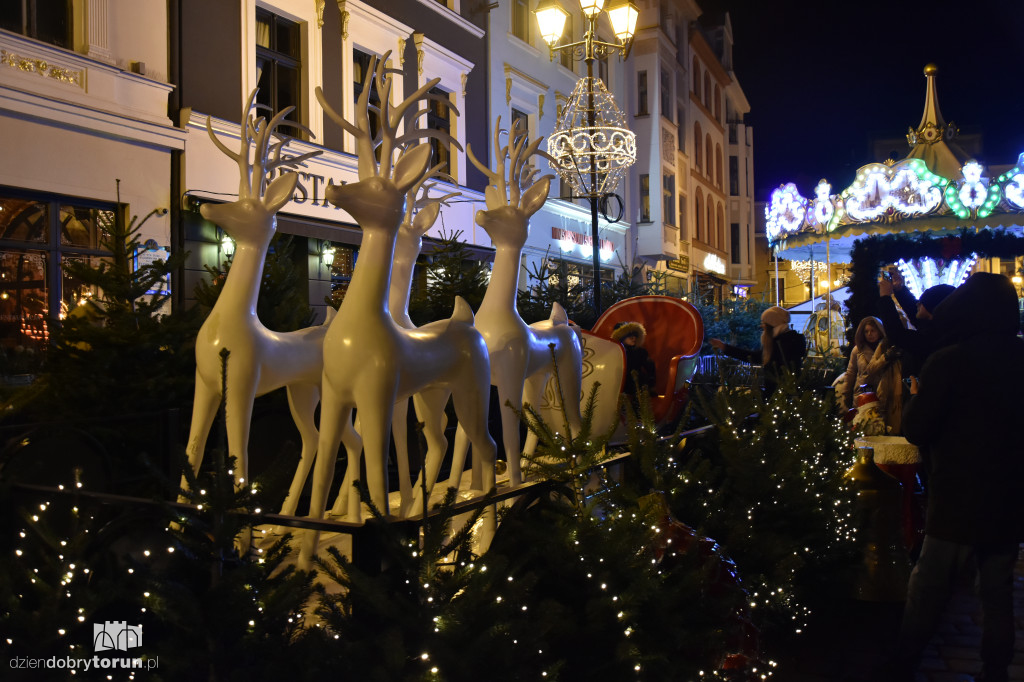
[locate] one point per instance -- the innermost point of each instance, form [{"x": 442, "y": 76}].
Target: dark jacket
[
  {"x": 969, "y": 416},
  {"x": 788, "y": 353},
  {"x": 638, "y": 360},
  {"x": 918, "y": 343}
]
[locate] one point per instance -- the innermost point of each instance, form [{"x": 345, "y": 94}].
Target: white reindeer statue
[
  {"x": 260, "y": 360},
  {"x": 521, "y": 359},
  {"x": 370, "y": 361},
  {"x": 420, "y": 215}
]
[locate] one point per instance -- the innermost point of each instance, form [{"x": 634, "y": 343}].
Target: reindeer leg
[
  {"x": 241, "y": 390},
  {"x": 302, "y": 400},
  {"x": 354, "y": 449},
  {"x": 376, "y": 403},
  {"x": 334, "y": 414},
  {"x": 430, "y": 406},
  {"x": 468, "y": 405},
  {"x": 570, "y": 374},
  {"x": 400, "y": 434},
  {"x": 533, "y": 391},
  {"x": 204, "y": 411},
  {"x": 509, "y": 378}
]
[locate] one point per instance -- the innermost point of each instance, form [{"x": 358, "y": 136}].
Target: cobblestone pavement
[{"x": 849, "y": 643}]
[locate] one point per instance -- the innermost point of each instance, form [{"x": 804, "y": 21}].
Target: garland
[{"x": 871, "y": 253}]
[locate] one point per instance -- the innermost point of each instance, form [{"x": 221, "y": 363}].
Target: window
[
  {"x": 666, "y": 94},
  {"x": 732, "y": 133},
  {"x": 360, "y": 68},
  {"x": 709, "y": 229},
  {"x": 524, "y": 123},
  {"x": 37, "y": 236},
  {"x": 45, "y": 20},
  {"x": 439, "y": 118},
  {"x": 565, "y": 56},
  {"x": 278, "y": 66},
  {"x": 641, "y": 93},
  {"x": 708, "y": 157},
  {"x": 521, "y": 19},
  {"x": 564, "y": 189},
  {"x": 734, "y": 175},
  {"x": 645, "y": 198},
  {"x": 682, "y": 218},
  {"x": 734, "y": 242},
  {"x": 718, "y": 166},
  {"x": 707, "y": 91},
  {"x": 697, "y": 146},
  {"x": 718, "y": 102},
  {"x": 681, "y": 123},
  {"x": 720, "y": 224},
  {"x": 668, "y": 197},
  {"x": 602, "y": 66},
  {"x": 698, "y": 213},
  {"x": 696, "y": 76}
]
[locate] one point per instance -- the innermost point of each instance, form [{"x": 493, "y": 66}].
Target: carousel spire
[{"x": 932, "y": 141}]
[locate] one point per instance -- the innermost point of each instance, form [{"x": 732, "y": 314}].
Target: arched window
[
  {"x": 696, "y": 76},
  {"x": 711, "y": 221},
  {"x": 708, "y": 156},
  {"x": 698, "y": 206},
  {"x": 707, "y": 91},
  {"x": 721, "y": 227},
  {"x": 697, "y": 147},
  {"x": 718, "y": 165},
  {"x": 718, "y": 103}
]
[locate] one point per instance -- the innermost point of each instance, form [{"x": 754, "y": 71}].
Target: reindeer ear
[
  {"x": 280, "y": 191},
  {"x": 535, "y": 197},
  {"x": 494, "y": 198},
  {"x": 411, "y": 166},
  {"x": 481, "y": 218},
  {"x": 426, "y": 217}
]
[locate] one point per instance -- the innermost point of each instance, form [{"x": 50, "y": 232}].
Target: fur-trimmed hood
[{"x": 624, "y": 329}]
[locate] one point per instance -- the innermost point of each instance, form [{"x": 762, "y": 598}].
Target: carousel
[{"x": 933, "y": 214}]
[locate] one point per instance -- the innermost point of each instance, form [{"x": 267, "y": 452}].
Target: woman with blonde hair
[{"x": 875, "y": 367}]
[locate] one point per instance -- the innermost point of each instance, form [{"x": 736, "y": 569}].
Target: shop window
[
  {"x": 49, "y": 21},
  {"x": 279, "y": 66},
  {"x": 37, "y": 236},
  {"x": 341, "y": 272}
]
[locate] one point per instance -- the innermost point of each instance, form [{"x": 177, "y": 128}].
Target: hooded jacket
[{"x": 967, "y": 416}]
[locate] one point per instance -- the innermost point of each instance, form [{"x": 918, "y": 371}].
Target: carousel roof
[{"x": 937, "y": 188}]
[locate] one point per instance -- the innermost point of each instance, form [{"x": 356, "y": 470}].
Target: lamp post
[{"x": 592, "y": 155}]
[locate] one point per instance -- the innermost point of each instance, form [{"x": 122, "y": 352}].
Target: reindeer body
[
  {"x": 370, "y": 361},
  {"x": 521, "y": 354},
  {"x": 259, "y": 360}
]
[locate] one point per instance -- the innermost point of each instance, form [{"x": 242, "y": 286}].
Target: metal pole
[
  {"x": 592, "y": 122},
  {"x": 828, "y": 304},
  {"x": 776, "y": 279}
]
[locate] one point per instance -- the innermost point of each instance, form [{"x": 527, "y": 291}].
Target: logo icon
[{"x": 116, "y": 635}]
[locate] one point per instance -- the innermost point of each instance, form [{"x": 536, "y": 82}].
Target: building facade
[{"x": 86, "y": 134}]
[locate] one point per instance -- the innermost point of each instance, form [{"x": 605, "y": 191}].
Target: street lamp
[{"x": 591, "y": 145}]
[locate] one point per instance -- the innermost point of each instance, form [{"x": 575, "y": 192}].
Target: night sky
[{"x": 824, "y": 78}]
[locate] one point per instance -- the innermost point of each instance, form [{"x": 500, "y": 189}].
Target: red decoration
[{"x": 951, "y": 247}]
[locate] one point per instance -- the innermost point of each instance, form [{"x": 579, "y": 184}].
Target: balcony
[{"x": 657, "y": 240}]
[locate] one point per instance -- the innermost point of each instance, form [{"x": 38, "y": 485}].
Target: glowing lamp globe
[
  {"x": 591, "y": 7},
  {"x": 623, "y": 18},
  {"x": 551, "y": 19}
]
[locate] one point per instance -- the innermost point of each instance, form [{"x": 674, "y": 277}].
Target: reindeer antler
[
  {"x": 268, "y": 156},
  {"x": 521, "y": 173},
  {"x": 418, "y": 196},
  {"x": 390, "y": 118}
]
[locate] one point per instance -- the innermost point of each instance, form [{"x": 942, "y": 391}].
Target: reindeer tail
[
  {"x": 462, "y": 312},
  {"x": 558, "y": 315}
]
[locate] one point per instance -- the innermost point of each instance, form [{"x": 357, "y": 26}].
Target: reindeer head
[
  {"x": 378, "y": 198},
  {"x": 251, "y": 218},
  {"x": 507, "y": 218}
]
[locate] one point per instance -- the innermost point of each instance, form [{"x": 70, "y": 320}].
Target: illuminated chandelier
[
  {"x": 592, "y": 154},
  {"x": 803, "y": 269},
  {"x": 924, "y": 273}
]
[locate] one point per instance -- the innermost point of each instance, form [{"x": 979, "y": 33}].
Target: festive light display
[
  {"x": 786, "y": 212},
  {"x": 907, "y": 187},
  {"x": 822, "y": 208},
  {"x": 925, "y": 273}
]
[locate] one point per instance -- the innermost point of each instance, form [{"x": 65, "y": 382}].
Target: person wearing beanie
[
  {"x": 639, "y": 366},
  {"x": 782, "y": 349},
  {"x": 965, "y": 415},
  {"x": 920, "y": 339}
]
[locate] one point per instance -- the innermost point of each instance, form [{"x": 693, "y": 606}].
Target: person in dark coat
[
  {"x": 966, "y": 413},
  {"x": 782, "y": 349},
  {"x": 632, "y": 336},
  {"x": 922, "y": 340}
]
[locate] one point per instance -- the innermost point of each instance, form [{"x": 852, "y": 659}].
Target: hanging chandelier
[
  {"x": 803, "y": 269},
  {"x": 592, "y": 147}
]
